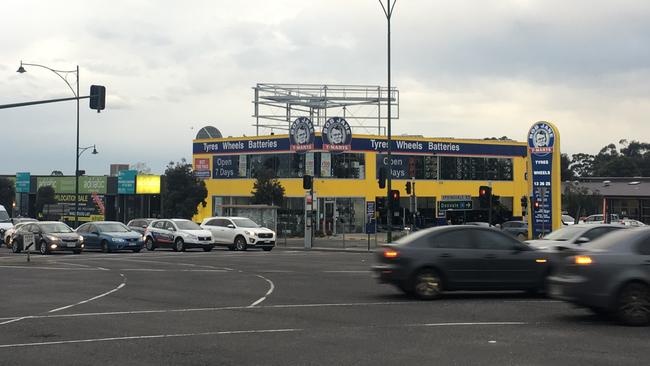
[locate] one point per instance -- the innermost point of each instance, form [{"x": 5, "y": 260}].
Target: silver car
[
  {"x": 610, "y": 276},
  {"x": 573, "y": 236}
]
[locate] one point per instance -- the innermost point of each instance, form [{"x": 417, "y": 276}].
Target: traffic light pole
[{"x": 388, "y": 11}]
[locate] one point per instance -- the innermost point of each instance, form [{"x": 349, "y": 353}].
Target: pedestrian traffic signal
[
  {"x": 307, "y": 182},
  {"x": 524, "y": 202},
  {"x": 394, "y": 200},
  {"x": 408, "y": 187},
  {"x": 97, "y": 97},
  {"x": 382, "y": 177},
  {"x": 484, "y": 196}
]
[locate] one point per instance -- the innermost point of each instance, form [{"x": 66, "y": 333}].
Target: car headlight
[
  {"x": 248, "y": 233},
  {"x": 118, "y": 240},
  {"x": 52, "y": 238},
  {"x": 189, "y": 236},
  {"x": 81, "y": 239}
]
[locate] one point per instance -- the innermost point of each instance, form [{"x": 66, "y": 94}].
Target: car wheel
[
  {"x": 15, "y": 247},
  {"x": 149, "y": 244},
  {"x": 179, "y": 245},
  {"x": 240, "y": 243},
  {"x": 105, "y": 247},
  {"x": 267, "y": 249},
  {"x": 43, "y": 248},
  {"x": 427, "y": 284},
  {"x": 207, "y": 249},
  {"x": 633, "y": 305}
]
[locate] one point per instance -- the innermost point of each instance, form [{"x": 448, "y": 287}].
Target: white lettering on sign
[
  {"x": 223, "y": 162},
  {"x": 398, "y": 173},
  {"x": 379, "y": 145},
  {"x": 415, "y": 145},
  {"x": 262, "y": 144},
  {"x": 441, "y": 146},
  {"x": 542, "y": 162},
  {"x": 226, "y": 173},
  {"x": 396, "y": 162},
  {"x": 228, "y": 145},
  {"x": 542, "y": 172}
]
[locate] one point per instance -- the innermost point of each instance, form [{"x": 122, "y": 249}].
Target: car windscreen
[
  {"x": 55, "y": 228},
  {"x": 4, "y": 216},
  {"x": 615, "y": 238},
  {"x": 245, "y": 223},
  {"x": 564, "y": 234},
  {"x": 187, "y": 225},
  {"x": 112, "y": 227}
]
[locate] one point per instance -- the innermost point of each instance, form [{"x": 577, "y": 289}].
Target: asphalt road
[{"x": 277, "y": 308}]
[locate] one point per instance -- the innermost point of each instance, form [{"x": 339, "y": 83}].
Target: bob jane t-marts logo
[
  {"x": 541, "y": 139},
  {"x": 301, "y": 135},
  {"x": 337, "y": 135}
]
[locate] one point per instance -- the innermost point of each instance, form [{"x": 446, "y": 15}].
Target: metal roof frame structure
[{"x": 276, "y": 106}]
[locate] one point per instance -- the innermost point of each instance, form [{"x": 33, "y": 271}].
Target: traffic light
[
  {"x": 394, "y": 200},
  {"x": 382, "y": 177},
  {"x": 408, "y": 188},
  {"x": 484, "y": 196},
  {"x": 307, "y": 182},
  {"x": 381, "y": 203},
  {"x": 536, "y": 205},
  {"x": 97, "y": 97},
  {"x": 524, "y": 202}
]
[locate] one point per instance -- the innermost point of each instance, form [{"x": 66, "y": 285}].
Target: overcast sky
[{"x": 464, "y": 69}]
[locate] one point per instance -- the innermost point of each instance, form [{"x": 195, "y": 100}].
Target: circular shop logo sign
[
  {"x": 541, "y": 138},
  {"x": 301, "y": 134},
  {"x": 337, "y": 135}
]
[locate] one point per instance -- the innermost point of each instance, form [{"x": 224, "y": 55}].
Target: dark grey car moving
[
  {"x": 610, "y": 276},
  {"x": 460, "y": 258}
]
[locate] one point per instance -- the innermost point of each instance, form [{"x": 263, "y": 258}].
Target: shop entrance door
[{"x": 329, "y": 217}]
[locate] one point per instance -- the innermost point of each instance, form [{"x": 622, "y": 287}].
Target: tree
[
  {"x": 183, "y": 192},
  {"x": 57, "y": 173},
  {"x": 7, "y": 193},
  {"x": 267, "y": 189},
  {"x": 141, "y": 167},
  {"x": 582, "y": 165},
  {"x": 44, "y": 196},
  {"x": 565, "y": 164},
  {"x": 580, "y": 201}
]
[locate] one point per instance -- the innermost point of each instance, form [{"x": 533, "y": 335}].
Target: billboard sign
[
  {"x": 202, "y": 168},
  {"x": 126, "y": 181},
  {"x": 337, "y": 135},
  {"x": 301, "y": 135},
  {"x": 23, "y": 182}
]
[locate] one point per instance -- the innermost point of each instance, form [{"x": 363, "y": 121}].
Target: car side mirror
[
  {"x": 231, "y": 226},
  {"x": 581, "y": 240}
]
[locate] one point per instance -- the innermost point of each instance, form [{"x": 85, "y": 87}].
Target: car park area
[{"x": 259, "y": 307}]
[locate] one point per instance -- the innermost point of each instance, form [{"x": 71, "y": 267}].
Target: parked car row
[
  {"x": 605, "y": 268},
  {"x": 236, "y": 233}
]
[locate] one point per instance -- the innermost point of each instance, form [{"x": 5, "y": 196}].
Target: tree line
[{"x": 628, "y": 159}]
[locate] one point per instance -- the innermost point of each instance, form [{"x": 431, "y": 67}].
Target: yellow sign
[{"x": 147, "y": 184}]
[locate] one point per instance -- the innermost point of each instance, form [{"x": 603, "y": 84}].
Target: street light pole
[
  {"x": 63, "y": 74},
  {"x": 388, "y": 11}
]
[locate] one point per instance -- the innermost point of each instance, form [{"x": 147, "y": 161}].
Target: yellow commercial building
[{"x": 447, "y": 174}]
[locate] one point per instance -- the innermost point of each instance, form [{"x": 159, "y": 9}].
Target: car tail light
[
  {"x": 583, "y": 260},
  {"x": 391, "y": 253}
]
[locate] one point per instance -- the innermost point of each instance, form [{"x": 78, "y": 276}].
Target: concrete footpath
[{"x": 343, "y": 243}]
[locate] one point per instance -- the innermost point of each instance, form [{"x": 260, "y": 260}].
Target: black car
[
  {"x": 461, "y": 257},
  {"x": 140, "y": 225},
  {"x": 610, "y": 276},
  {"x": 46, "y": 237}
]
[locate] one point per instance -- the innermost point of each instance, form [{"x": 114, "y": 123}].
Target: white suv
[
  {"x": 239, "y": 233},
  {"x": 179, "y": 234}
]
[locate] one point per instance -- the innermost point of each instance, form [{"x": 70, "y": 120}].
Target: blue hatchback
[{"x": 110, "y": 236}]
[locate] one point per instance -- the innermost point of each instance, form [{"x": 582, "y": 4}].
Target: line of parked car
[
  {"x": 235, "y": 233},
  {"x": 603, "y": 267}
]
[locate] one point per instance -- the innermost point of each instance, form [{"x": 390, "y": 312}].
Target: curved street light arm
[{"x": 58, "y": 73}]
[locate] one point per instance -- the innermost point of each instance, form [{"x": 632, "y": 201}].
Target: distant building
[{"x": 116, "y": 168}]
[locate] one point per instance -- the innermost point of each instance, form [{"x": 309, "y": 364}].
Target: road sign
[
  {"x": 370, "y": 218},
  {"x": 454, "y": 205}
]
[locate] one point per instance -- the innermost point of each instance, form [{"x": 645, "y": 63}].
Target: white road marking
[
  {"x": 189, "y": 310},
  {"x": 465, "y": 324},
  {"x": 172, "y": 270},
  {"x": 53, "y": 268},
  {"x": 364, "y": 271},
  {"x": 112, "y": 339},
  {"x": 92, "y": 298},
  {"x": 269, "y": 292},
  {"x": 14, "y": 320}
]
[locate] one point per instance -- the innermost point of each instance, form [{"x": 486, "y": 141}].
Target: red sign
[{"x": 201, "y": 164}]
